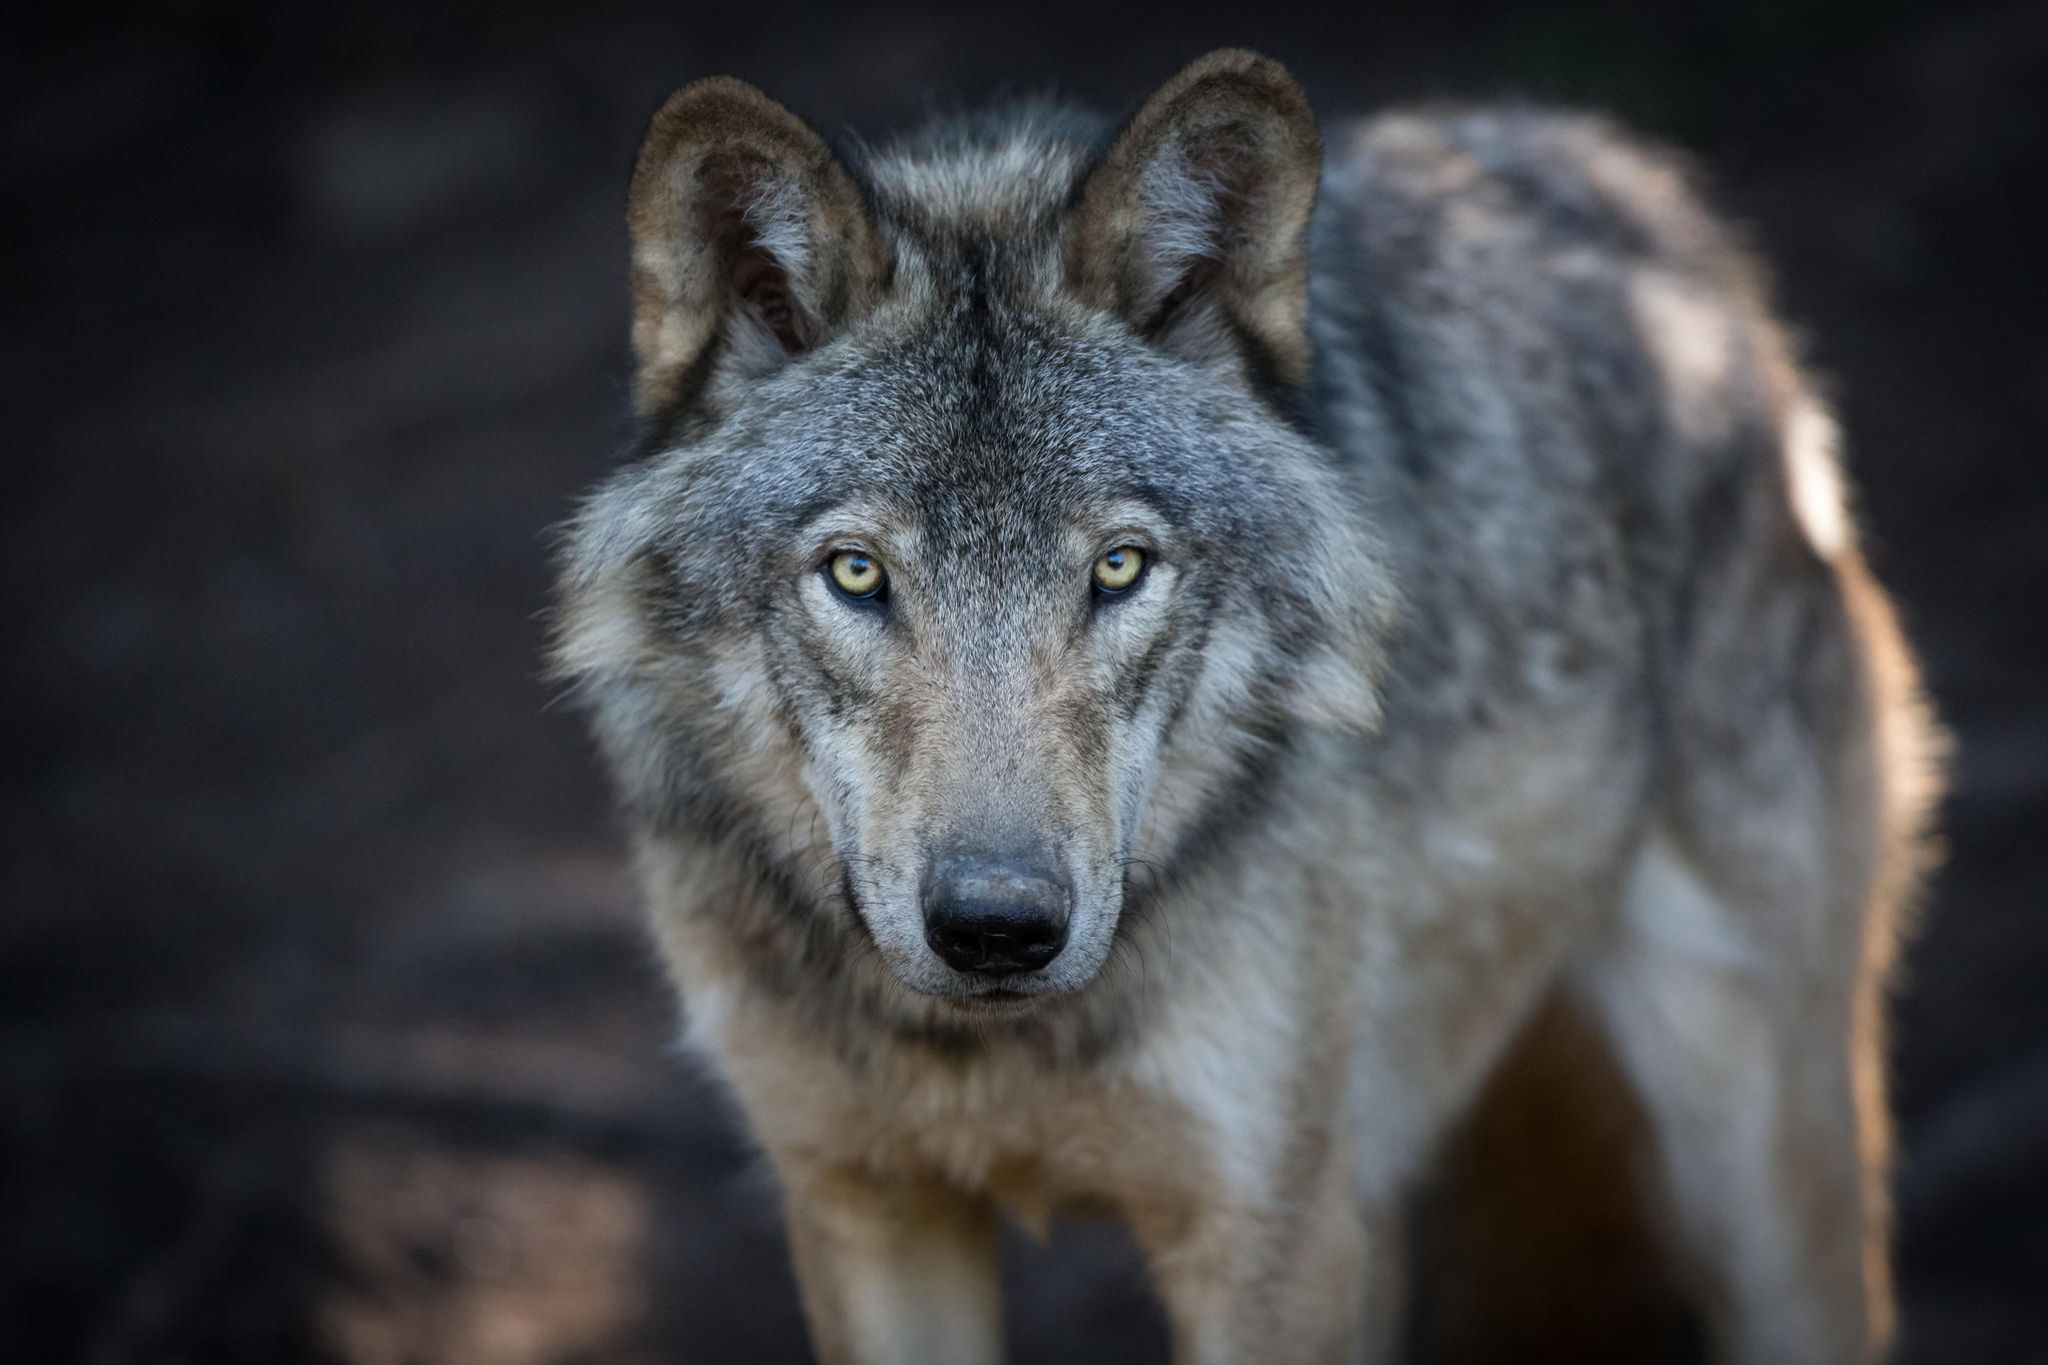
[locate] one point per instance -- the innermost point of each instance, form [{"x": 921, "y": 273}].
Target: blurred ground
[{"x": 326, "y": 1031}]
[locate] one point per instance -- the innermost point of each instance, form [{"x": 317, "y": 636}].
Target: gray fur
[{"x": 1509, "y": 590}]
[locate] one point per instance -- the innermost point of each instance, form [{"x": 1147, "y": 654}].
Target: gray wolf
[{"x": 1139, "y": 658}]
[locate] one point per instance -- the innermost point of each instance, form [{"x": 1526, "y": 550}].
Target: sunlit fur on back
[{"x": 1501, "y": 639}]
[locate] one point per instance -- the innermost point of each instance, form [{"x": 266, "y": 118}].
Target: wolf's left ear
[
  {"x": 1194, "y": 225},
  {"x": 748, "y": 235}
]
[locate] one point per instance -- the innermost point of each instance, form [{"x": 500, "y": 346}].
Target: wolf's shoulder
[{"x": 1551, "y": 367}]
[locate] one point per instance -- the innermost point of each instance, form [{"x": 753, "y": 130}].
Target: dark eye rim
[
  {"x": 1101, "y": 594},
  {"x": 873, "y": 597}
]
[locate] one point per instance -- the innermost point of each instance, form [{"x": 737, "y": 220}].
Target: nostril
[
  {"x": 967, "y": 938},
  {"x": 968, "y": 943},
  {"x": 995, "y": 920}
]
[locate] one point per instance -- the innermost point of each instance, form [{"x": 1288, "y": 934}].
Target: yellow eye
[
  {"x": 1119, "y": 569},
  {"x": 856, "y": 575}
]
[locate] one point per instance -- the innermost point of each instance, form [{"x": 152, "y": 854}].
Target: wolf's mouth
[{"x": 999, "y": 1003}]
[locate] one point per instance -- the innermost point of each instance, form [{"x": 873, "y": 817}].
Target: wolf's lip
[{"x": 998, "y": 1001}]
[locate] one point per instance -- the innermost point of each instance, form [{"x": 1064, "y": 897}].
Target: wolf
[{"x": 1138, "y": 658}]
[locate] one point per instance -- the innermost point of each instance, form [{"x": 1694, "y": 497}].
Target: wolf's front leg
[
  {"x": 1302, "y": 1279},
  {"x": 1760, "y": 1078},
  {"x": 895, "y": 1274}
]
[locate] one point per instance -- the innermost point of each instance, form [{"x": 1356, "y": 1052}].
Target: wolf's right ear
[
  {"x": 1194, "y": 225},
  {"x": 748, "y": 234}
]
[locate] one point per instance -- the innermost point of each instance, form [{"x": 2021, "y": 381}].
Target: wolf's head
[{"x": 976, "y": 557}]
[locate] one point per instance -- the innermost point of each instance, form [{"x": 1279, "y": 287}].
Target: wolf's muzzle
[{"x": 995, "y": 918}]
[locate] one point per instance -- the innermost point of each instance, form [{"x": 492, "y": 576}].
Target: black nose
[{"x": 995, "y": 918}]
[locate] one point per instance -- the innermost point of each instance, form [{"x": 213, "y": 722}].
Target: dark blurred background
[{"x": 326, "y": 1028}]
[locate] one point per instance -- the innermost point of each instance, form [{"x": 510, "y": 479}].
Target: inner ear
[
  {"x": 761, "y": 247},
  {"x": 1197, "y": 199},
  {"x": 761, "y": 286},
  {"x": 1197, "y": 277}
]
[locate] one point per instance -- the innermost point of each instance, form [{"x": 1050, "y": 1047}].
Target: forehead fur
[
  {"x": 980, "y": 409},
  {"x": 1012, "y": 169}
]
